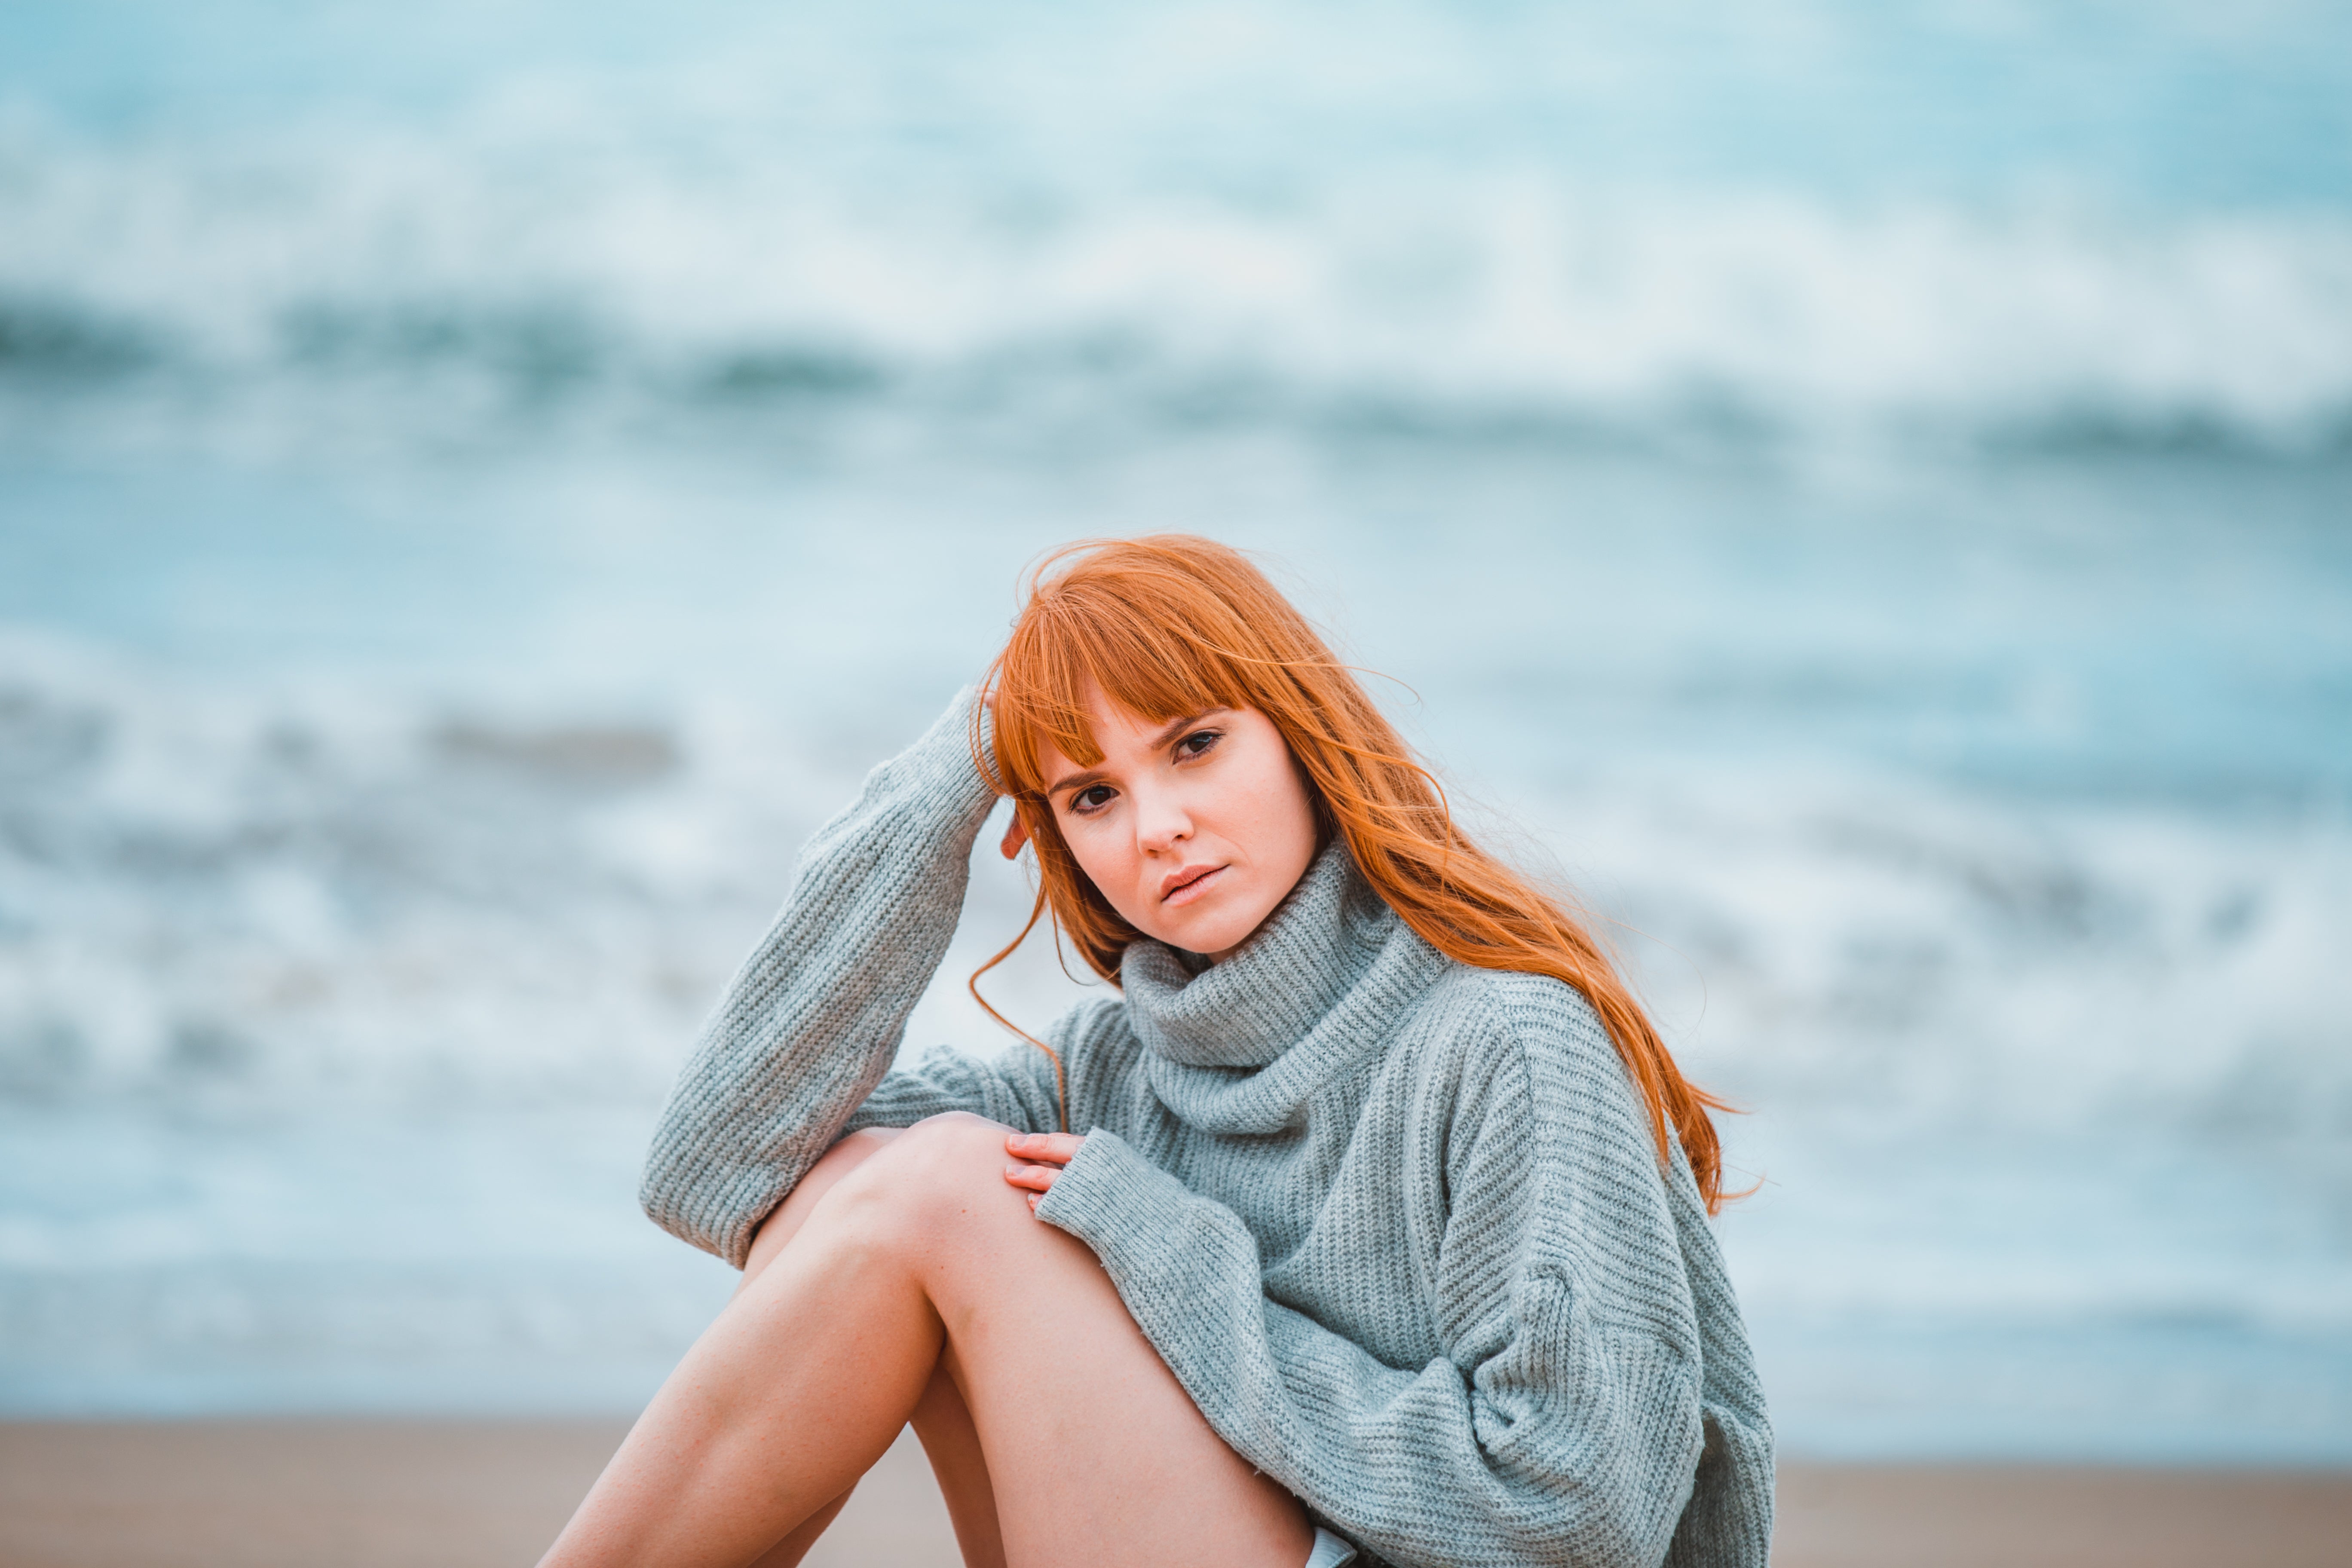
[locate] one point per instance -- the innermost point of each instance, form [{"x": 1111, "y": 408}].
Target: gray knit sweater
[{"x": 1396, "y": 1224}]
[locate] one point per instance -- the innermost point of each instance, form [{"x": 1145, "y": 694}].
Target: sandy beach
[{"x": 451, "y": 1494}]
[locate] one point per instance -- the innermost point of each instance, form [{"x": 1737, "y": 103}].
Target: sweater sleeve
[
  {"x": 1016, "y": 1088},
  {"x": 806, "y": 1030},
  {"x": 1556, "y": 1428}
]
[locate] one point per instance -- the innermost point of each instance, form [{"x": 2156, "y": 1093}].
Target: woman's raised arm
[{"x": 807, "y": 1028}]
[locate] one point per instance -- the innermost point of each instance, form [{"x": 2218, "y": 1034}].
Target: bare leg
[
  {"x": 952, "y": 1442},
  {"x": 1091, "y": 1449},
  {"x": 949, "y": 1440},
  {"x": 769, "y": 1240}
]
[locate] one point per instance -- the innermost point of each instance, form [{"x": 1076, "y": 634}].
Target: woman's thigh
[{"x": 1093, "y": 1451}]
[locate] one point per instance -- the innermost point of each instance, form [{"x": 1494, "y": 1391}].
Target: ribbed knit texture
[{"x": 1396, "y": 1224}]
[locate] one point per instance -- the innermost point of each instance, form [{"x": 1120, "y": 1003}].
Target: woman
[{"x": 1384, "y": 1227}]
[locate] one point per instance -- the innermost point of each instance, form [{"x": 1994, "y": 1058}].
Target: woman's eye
[
  {"x": 1093, "y": 798},
  {"x": 1198, "y": 741}
]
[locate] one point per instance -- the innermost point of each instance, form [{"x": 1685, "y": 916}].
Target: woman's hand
[{"x": 1038, "y": 1158}]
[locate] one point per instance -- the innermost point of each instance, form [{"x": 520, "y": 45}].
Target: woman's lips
[{"x": 1198, "y": 887}]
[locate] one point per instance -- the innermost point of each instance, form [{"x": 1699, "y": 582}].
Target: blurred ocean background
[{"x": 1861, "y": 489}]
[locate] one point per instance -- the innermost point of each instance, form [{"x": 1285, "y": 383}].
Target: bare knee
[
  {"x": 942, "y": 1157},
  {"x": 958, "y": 1128},
  {"x": 945, "y": 1173},
  {"x": 853, "y": 1150}
]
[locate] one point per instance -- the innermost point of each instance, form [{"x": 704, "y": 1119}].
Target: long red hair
[{"x": 1172, "y": 625}]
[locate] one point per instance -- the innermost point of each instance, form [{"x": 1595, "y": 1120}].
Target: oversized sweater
[{"x": 1396, "y": 1224}]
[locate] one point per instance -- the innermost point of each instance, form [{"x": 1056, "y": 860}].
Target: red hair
[{"x": 1173, "y": 625}]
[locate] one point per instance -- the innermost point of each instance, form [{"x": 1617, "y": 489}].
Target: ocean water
[{"x": 1859, "y": 492}]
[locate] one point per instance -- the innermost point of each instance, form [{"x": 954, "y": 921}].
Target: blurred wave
[
  {"x": 224, "y": 891},
  {"x": 421, "y": 294},
  {"x": 215, "y": 900}
]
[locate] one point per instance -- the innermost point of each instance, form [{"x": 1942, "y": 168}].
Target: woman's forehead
[
  {"x": 1110, "y": 729},
  {"x": 1088, "y": 708}
]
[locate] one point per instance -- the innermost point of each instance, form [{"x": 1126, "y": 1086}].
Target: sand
[
  {"x": 363, "y": 1494},
  {"x": 449, "y": 1494}
]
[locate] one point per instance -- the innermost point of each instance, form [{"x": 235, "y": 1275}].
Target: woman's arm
[
  {"x": 807, "y": 1028},
  {"x": 1016, "y": 1087},
  {"x": 1588, "y": 1411}
]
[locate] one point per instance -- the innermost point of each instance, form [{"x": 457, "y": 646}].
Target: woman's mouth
[{"x": 1190, "y": 884}]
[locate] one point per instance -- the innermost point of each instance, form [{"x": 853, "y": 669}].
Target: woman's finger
[
  {"x": 1034, "y": 1178},
  {"x": 1046, "y": 1147}
]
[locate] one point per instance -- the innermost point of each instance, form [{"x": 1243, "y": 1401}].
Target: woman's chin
[{"x": 1214, "y": 936}]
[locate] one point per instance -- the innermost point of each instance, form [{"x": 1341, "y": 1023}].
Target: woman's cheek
[{"x": 1112, "y": 873}]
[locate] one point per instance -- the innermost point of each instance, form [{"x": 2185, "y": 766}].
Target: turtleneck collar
[{"x": 1235, "y": 1047}]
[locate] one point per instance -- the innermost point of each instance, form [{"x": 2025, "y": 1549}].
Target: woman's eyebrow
[
  {"x": 1076, "y": 780},
  {"x": 1167, "y": 737}
]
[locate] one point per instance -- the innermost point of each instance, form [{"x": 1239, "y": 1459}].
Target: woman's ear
[{"x": 1015, "y": 836}]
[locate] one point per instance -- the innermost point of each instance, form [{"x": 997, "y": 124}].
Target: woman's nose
[{"x": 1160, "y": 823}]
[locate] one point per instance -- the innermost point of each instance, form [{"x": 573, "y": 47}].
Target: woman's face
[{"x": 1192, "y": 830}]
